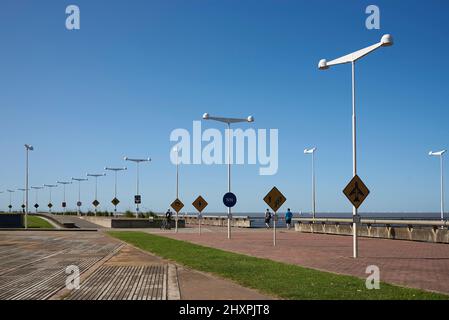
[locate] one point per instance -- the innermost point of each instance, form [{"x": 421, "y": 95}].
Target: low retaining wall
[
  {"x": 130, "y": 222},
  {"x": 219, "y": 221},
  {"x": 426, "y": 231},
  {"x": 12, "y": 220}
]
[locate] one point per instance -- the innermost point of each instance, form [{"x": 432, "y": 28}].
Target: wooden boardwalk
[
  {"x": 125, "y": 283},
  {"x": 33, "y": 267}
]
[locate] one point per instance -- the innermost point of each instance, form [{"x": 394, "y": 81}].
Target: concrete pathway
[{"x": 414, "y": 264}]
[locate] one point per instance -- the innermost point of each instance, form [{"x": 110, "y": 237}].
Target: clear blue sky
[{"x": 139, "y": 69}]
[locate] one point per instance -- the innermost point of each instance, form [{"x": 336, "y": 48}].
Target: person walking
[
  {"x": 267, "y": 218},
  {"x": 288, "y": 218}
]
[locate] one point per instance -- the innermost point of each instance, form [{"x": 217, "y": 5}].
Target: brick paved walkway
[{"x": 413, "y": 264}]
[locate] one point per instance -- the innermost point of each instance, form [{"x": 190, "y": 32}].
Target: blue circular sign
[{"x": 229, "y": 199}]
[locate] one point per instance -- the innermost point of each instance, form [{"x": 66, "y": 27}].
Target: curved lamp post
[
  {"x": 440, "y": 154},
  {"x": 228, "y": 122},
  {"x": 64, "y": 203},
  {"x": 115, "y": 170},
  {"x": 27, "y": 149},
  {"x": 96, "y": 175},
  {"x": 50, "y": 186},
  {"x": 79, "y": 203},
  {"x": 137, "y": 162},
  {"x": 37, "y": 197},
  {"x": 386, "y": 41},
  {"x": 312, "y": 152}
]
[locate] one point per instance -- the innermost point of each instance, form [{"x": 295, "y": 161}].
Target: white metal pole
[
  {"x": 442, "y": 188},
  {"x": 26, "y": 191},
  {"x": 177, "y": 186},
  {"x": 313, "y": 185},
  {"x": 115, "y": 192},
  {"x": 96, "y": 184},
  {"x": 50, "y": 199},
  {"x": 137, "y": 207},
  {"x": 79, "y": 197},
  {"x": 274, "y": 229},
  {"x": 10, "y": 201},
  {"x": 354, "y": 160},
  {"x": 37, "y": 197},
  {"x": 229, "y": 178}
]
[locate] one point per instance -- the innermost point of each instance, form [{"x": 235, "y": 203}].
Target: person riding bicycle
[{"x": 168, "y": 216}]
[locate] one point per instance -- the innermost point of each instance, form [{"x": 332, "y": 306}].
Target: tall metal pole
[
  {"x": 50, "y": 186},
  {"x": 229, "y": 178},
  {"x": 313, "y": 185},
  {"x": 37, "y": 196},
  {"x": 26, "y": 190},
  {"x": 79, "y": 197},
  {"x": 442, "y": 189},
  {"x": 115, "y": 184},
  {"x": 354, "y": 162},
  {"x": 137, "y": 205},
  {"x": 64, "y": 183},
  {"x": 10, "y": 200},
  {"x": 79, "y": 193},
  {"x": 177, "y": 186},
  {"x": 115, "y": 192}
]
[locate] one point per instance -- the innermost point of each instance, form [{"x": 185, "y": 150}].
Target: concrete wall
[
  {"x": 399, "y": 232},
  {"x": 219, "y": 221},
  {"x": 107, "y": 222},
  {"x": 12, "y": 220}
]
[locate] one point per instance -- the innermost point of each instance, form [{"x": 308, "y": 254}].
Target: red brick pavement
[{"x": 413, "y": 264}]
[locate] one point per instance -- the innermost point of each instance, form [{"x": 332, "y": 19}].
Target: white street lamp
[
  {"x": 37, "y": 196},
  {"x": 440, "y": 154},
  {"x": 96, "y": 175},
  {"x": 386, "y": 40},
  {"x": 10, "y": 199},
  {"x": 79, "y": 203},
  {"x": 115, "y": 184},
  {"x": 312, "y": 152},
  {"x": 64, "y": 183},
  {"x": 137, "y": 161},
  {"x": 27, "y": 149},
  {"x": 228, "y": 121},
  {"x": 50, "y": 186}
]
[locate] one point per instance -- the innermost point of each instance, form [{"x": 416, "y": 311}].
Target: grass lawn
[
  {"x": 37, "y": 222},
  {"x": 271, "y": 277}
]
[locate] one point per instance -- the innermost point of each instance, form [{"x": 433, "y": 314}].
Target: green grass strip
[
  {"x": 274, "y": 278},
  {"x": 38, "y": 223}
]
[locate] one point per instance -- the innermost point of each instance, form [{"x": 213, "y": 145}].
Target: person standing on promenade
[
  {"x": 267, "y": 218},
  {"x": 288, "y": 218}
]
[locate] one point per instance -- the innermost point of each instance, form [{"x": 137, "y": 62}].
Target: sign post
[
  {"x": 275, "y": 199},
  {"x": 229, "y": 200},
  {"x": 177, "y": 205},
  {"x": 356, "y": 192},
  {"x": 199, "y": 205}
]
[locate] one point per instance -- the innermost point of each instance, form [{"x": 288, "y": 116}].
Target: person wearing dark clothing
[
  {"x": 288, "y": 218},
  {"x": 267, "y": 218}
]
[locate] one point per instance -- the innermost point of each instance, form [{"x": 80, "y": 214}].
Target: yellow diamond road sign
[
  {"x": 200, "y": 204},
  {"x": 177, "y": 205},
  {"x": 275, "y": 199},
  {"x": 356, "y": 191}
]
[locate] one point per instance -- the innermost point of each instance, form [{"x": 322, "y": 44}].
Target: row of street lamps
[{"x": 64, "y": 183}]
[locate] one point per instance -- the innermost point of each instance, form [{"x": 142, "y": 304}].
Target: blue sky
[{"x": 139, "y": 69}]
